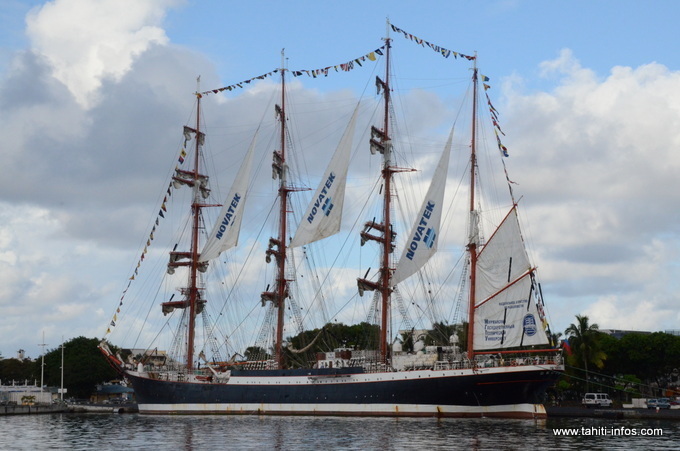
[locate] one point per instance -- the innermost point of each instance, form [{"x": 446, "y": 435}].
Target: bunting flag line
[
  {"x": 439, "y": 49},
  {"x": 314, "y": 73},
  {"x": 182, "y": 155},
  {"x": 240, "y": 84},
  {"x": 494, "y": 117},
  {"x": 344, "y": 67},
  {"x": 493, "y": 112}
]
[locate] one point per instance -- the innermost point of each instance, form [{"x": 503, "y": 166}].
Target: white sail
[
  {"x": 509, "y": 319},
  {"x": 422, "y": 241},
  {"x": 506, "y": 313},
  {"x": 324, "y": 213},
  {"x": 224, "y": 234},
  {"x": 502, "y": 259}
]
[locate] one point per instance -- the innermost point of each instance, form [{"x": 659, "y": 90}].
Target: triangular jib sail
[
  {"x": 324, "y": 213},
  {"x": 506, "y": 311},
  {"x": 422, "y": 241},
  {"x": 224, "y": 234}
]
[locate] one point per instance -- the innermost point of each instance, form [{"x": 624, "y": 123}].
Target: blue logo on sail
[
  {"x": 530, "y": 325},
  {"x": 327, "y": 206},
  {"x": 430, "y": 236}
]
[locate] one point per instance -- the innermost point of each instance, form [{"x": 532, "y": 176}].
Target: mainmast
[
  {"x": 277, "y": 246},
  {"x": 474, "y": 224},
  {"x": 381, "y": 142}
]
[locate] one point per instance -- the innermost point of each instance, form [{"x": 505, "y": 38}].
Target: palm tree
[
  {"x": 585, "y": 344},
  {"x": 555, "y": 339}
]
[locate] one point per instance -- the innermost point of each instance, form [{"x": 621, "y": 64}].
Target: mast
[
  {"x": 193, "y": 276},
  {"x": 381, "y": 142},
  {"x": 387, "y": 221},
  {"x": 277, "y": 246},
  {"x": 191, "y": 293},
  {"x": 472, "y": 245}
]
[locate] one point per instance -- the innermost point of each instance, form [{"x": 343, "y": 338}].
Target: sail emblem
[
  {"x": 530, "y": 325},
  {"x": 327, "y": 206},
  {"x": 430, "y": 236}
]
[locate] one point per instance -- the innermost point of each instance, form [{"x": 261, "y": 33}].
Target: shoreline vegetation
[{"x": 635, "y": 365}]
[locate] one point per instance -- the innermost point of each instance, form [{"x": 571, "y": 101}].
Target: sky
[{"x": 93, "y": 95}]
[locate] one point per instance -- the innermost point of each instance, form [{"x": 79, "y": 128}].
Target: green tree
[
  {"x": 555, "y": 339},
  {"x": 407, "y": 341},
  {"x": 328, "y": 338},
  {"x": 585, "y": 343},
  {"x": 629, "y": 385},
  {"x": 440, "y": 334},
  {"x": 254, "y": 353},
  {"x": 19, "y": 370},
  {"x": 84, "y": 367},
  {"x": 652, "y": 357}
]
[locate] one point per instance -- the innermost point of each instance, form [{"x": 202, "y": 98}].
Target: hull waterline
[{"x": 515, "y": 392}]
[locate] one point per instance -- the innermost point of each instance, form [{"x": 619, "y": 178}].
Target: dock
[
  {"x": 613, "y": 413},
  {"x": 32, "y": 410}
]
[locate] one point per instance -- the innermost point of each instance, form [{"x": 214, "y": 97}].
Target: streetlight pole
[
  {"x": 62, "y": 368},
  {"x": 42, "y": 365}
]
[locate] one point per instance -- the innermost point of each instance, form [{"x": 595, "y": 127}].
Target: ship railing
[
  {"x": 260, "y": 365},
  {"x": 500, "y": 361},
  {"x": 368, "y": 365},
  {"x": 455, "y": 365},
  {"x": 175, "y": 373}
]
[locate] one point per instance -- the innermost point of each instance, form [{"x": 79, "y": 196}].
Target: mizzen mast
[{"x": 474, "y": 224}]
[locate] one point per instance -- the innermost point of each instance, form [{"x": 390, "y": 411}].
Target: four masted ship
[{"x": 504, "y": 369}]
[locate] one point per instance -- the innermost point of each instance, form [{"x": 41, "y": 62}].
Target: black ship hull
[{"x": 499, "y": 391}]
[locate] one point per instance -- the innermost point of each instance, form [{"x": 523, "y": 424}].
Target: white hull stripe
[{"x": 513, "y": 410}]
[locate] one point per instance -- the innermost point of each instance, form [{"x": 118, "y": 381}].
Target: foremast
[
  {"x": 382, "y": 143},
  {"x": 193, "y": 300}
]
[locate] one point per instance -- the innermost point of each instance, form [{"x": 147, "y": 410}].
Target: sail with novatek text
[
  {"x": 324, "y": 213},
  {"x": 224, "y": 234},
  {"x": 422, "y": 241}
]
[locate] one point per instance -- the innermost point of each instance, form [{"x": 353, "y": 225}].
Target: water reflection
[{"x": 131, "y": 431}]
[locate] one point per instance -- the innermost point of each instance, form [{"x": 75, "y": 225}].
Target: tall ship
[{"x": 478, "y": 347}]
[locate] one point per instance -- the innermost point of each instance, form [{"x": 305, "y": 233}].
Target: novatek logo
[
  {"x": 228, "y": 216},
  {"x": 322, "y": 202},
  {"x": 424, "y": 234}
]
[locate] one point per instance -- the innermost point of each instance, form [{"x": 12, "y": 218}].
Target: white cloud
[
  {"x": 87, "y": 41},
  {"x": 93, "y": 114},
  {"x": 599, "y": 165}
]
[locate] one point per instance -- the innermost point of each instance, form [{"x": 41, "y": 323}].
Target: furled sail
[
  {"x": 506, "y": 312},
  {"x": 422, "y": 241},
  {"x": 324, "y": 213},
  {"x": 224, "y": 234}
]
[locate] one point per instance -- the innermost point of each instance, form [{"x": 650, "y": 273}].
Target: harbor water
[{"x": 133, "y": 431}]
